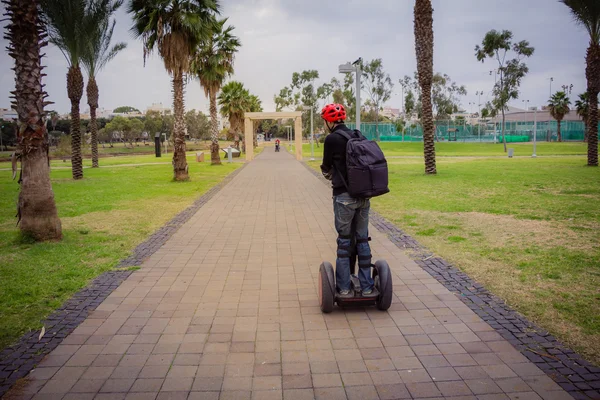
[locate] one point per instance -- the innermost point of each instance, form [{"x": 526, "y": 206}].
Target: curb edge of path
[
  {"x": 18, "y": 360},
  {"x": 577, "y": 376}
]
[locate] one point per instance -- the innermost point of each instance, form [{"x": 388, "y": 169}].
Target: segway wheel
[
  {"x": 326, "y": 287},
  {"x": 383, "y": 282}
]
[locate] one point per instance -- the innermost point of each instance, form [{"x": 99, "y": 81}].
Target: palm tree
[
  {"x": 98, "y": 53},
  {"x": 212, "y": 65},
  {"x": 175, "y": 28},
  {"x": 582, "y": 108},
  {"x": 234, "y": 100},
  {"x": 587, "y": 13},
  {"x": 254, "y": 105},
  {"x": 36, "y": 208},
  {"x": 424, "y": 50},
  {"x": 558, "y": 105},
  {"x": 70, "y": 25}
]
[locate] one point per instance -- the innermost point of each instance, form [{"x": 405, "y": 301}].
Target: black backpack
[{"x": 366, "y": 165}]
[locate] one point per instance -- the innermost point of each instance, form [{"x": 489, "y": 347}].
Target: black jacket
[{"x": 334, "y": 159}]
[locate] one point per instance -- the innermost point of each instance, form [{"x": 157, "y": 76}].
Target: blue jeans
[{"x": 352, "y": 217}]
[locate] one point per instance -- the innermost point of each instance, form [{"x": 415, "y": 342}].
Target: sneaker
[
  {"x": 370, "y": 292},
  {"x": 346, "y": 294}
]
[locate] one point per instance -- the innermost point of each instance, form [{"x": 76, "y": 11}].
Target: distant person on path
[{"x": 349, "y": 212}]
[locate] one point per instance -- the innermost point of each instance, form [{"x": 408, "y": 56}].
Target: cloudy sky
[{"x": 280, "y": 37}]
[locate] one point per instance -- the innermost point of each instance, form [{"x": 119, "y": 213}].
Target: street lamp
[
  {"x": 348, "y": 69},
  {"x": 534, "y": 109},
  {"x": 479, "y": 94},
  {"x": 551, "y": 80},
  {"x": 312, "y": 134}
]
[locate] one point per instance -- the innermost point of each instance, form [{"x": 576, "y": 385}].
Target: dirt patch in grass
[
  {"x": 119, "y": 221},
  {"x": 501, "y": 230},
  {"x": 545, "y": 269}
]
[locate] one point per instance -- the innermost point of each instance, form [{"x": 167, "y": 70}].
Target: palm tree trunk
[
  {"x": 215, "y": 159},
  {"x": 235, "y": 124},
  {"x": 36, "y": 208},
  {"x": 428, "y": 133},
  {"x": 180, "y": 167},
  {"x": 75, "y": 91},
  {"x": 592, "y": 130},
  {"x": 254, "y": 135},
  {"x": 558, "y": 134},
  {"x": 592, "y": 73},
  {"x": 424, "y": 50},
  {"x": 92, "y": 96}
]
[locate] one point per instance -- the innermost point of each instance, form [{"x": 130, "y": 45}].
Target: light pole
[
  {"x": 534, "y": 109},
  {"x": 312, "y": 134},
  {"x": 349, "y": 68},
  {"x": 479, "y": 93},
  {"x": 551, "y": 80}
]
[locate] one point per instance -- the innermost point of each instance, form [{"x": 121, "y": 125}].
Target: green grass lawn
[
  {"x": 528, "y": 229},
  {"x": 104, "y": 217},
  {"x": 122, "y": 149},
  {"x": 469, "y": 149}
]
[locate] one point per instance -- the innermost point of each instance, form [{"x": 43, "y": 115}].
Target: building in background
[
  {"x": 8, "y": 114},
  {"x": 160, "y": 108},
  {"x": 391, "y": 113}
]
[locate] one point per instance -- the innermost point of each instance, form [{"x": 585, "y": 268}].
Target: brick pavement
[{"x": 227, "y": 309}]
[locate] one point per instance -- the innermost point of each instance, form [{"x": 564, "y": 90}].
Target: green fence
[{"x": 460, "y": 132}]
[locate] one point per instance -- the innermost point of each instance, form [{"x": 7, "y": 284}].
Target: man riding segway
[{"x": 354, "y": 181}]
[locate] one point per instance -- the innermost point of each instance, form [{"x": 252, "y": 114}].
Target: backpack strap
[
  {"x": 343, "y": 133},
  {"x": 348, "y": 137}
]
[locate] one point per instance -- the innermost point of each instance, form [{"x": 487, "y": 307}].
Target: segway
[
  {"x": 382, "y": 277},
  {"x": 276, "y": 147}
]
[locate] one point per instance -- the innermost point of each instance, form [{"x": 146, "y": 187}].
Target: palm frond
[
  {"x": 99, "y": 51},
  {"x": 65, "y": 24},
  {"x": 586, "y": 13},
  {"x": 214, "y": 58},
  {"x": 173, "y": 27}
]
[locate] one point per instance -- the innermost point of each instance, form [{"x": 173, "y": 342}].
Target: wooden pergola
[{"x": 249, "y": 128}]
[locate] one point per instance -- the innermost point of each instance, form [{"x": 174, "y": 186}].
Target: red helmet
[{"x": 333, "y": 113}]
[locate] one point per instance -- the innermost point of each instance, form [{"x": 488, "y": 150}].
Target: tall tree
[
  {"x": 558, "y": 105},
  {"x": 497, "y": 46},
  {"x": 582, "y": 108},
  {"x": 587, "y": 14},
  {"x": 36, "y": 208},
  {"x": 445, "y": 95},
  {"x": 95, "y": 57},
  {"x": 153, "y": 123},
  {"x": 424, "y": 50},
  {"x": 175, "y": 28},
  {"x": 71, "y": 24},
  {"x": 212, "y": 64},
  {"x": 378, "y": 85},
  {"x": 301, "y": 93},
  {"x": 254, "y": 105},
  {"x": 197, "y": 124},
  {"x": 234, "y": 100}
]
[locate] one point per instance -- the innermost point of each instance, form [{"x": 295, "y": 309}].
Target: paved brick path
[{"x": 227, "y": 309}]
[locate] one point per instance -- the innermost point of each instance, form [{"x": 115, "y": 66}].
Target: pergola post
[
  {"x": 298, "y": 133},
  {"x": 248, "y": 139}
]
